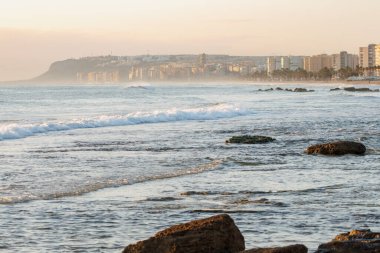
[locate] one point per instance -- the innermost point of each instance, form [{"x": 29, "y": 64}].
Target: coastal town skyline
[{"x": 36, "y": 33}]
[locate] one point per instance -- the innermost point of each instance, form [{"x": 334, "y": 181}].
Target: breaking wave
[{"x": 217, "y": 111}]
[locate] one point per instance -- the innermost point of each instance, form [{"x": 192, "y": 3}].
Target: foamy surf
[
  {"x": 218, "y": 111},
  {"x": 108, "y": 183}
]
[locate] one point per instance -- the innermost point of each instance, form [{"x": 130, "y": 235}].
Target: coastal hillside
[
  {"x": 111, "y": 69},
  {"x": 66, "y": 70}
]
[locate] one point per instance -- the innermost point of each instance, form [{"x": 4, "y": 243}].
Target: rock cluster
[
  {"x": 337, "y": 148},
  {"x": 219, "y": 234},
  {"x": 287, "y": 89},
  {"x": 356, "y": 241},
  {"x": 353, "y": 89},
  {"x": 250, "y": 139}
]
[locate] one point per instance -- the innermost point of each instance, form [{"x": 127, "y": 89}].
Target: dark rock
[
  {"x": 337, "y": 148},
  {"x": 350, "y": 89},
  {"x": 250, "y": 139},
  {"x": 300, "y": 90},
  {"x": 335, "y": 89},
  {"x": 269, "y": 89},
  {"x": 297, "y": 248},
  {"x": 356, "y": 241},
  {"x": 279, "y": 88},
  {"x": 353, "y": 89},
  {"x": 288, "y": 89},
  {"x": 217, "y": 234}
]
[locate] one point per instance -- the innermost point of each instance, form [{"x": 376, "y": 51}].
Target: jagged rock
[
  {"x": 356, "y": 241},
  {"x": 217, "y": 234},
  {"x": 337, "y": 148},
  {"x": 250, "y": 139},
  {"x": 297, "y": 248},
  {"x": 360, "y": 89}
]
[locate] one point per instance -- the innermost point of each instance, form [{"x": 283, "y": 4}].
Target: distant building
[
  {"x": 306, "y": 63},
  {"x": 369, "y": 57},
  {"x": 377, "y": 59},
  {"x": 285, "y": 62},
  {"x": 91, "y": 77},
  {"x": 317, "y": 62},
  {"x": 202, "y": 60},
  {"x": 296, "y": 62},
  {"x": 271, "y": 64},
  {"x": 344, "y": 60},
  {"x": 363, "y": 57}
]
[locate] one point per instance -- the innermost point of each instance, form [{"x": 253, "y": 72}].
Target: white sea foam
[
  {"x": 94, "y": 186},
  {"x": 218, "y": 111}
]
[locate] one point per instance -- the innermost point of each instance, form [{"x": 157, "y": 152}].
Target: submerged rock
[
  {"x": 217, "y": 234},
  {"x": 334, "y": 89},
  {"x": 297, "y": 248},
  {"x": 250, "y": 139},
  {"x": 352, "y": 89},
  {"x": 356, "y": 241},
  {"x": 337, "y": 148}
]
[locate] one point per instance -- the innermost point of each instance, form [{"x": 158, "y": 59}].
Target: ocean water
[{"x": 93, "y": 168}]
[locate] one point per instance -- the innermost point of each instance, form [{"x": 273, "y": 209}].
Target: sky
[{"x": 35, "y": 33}]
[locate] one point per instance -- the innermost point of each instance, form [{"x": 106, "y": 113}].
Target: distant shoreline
[{"x": 225, "y": 81}]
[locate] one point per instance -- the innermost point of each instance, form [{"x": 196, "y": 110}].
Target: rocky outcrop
[
  {"x": 250, "y": 139},
  {"x": 287, "y": 89},
  {"x": 217, "y": 234},
  {"x": 302, "y": 90},
  {"x": 337, "y": 148},
  {"x": 297, "y": 248},
  {"x": 356, "y": 241},
  {"x": 353, "y": 89}
]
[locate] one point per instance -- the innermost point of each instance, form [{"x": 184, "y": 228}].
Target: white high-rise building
[
  {"x": 363, "y": 57},
  {"x": 371, "y": 55},
  {"x": 271, "y": 64},
  {"x": 285, "y": 62}
]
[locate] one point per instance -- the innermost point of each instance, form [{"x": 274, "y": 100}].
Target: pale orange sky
[{"x": 35, "y": 33}]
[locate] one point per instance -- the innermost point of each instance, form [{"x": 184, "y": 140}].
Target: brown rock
[
  {"x": 297, "y": 248},
  {"x": 356, "y": 241},
  {"x": 357, "y": 234},
  {"x": 337, "y": 148},
  {"x": 217, "y": 234}
]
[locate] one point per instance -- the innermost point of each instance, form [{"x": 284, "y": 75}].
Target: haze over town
[{"x": 33, "y": 34}]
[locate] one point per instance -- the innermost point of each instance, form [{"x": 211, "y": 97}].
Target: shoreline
[{"x": 197, "y": 82}]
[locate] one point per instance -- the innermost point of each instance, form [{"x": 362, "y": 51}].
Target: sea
[{"x": 93, "y": 168}]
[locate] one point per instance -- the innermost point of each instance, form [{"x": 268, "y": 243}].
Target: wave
[
  {"x": 95, "y": 186},
  {"x": 217, "y": 111}
]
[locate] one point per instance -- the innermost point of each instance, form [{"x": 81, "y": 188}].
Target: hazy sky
[{"x": 33, "y": 33}]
